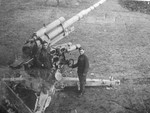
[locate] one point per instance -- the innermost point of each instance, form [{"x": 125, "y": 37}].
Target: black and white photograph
[{"x": 74, "y": 56}]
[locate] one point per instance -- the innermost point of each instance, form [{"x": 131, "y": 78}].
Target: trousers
[{"x": 82, "y": 81}]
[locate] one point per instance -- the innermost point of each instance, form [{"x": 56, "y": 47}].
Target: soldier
[
  {"x": 83, "y": 67},
  {"x": 43, "y": 62},
  {"x": 43, "y": 58}
]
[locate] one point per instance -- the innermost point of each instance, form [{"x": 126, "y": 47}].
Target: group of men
[{"x": 45, "y": 61}]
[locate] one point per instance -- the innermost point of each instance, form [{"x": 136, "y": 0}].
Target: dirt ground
[{"x": 116, "y": 41}]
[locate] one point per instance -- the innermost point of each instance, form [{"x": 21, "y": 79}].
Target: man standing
[
  {"x": 43, "y": 62},
  {"x": 43, "y": 59},
  {"x": 82, "y": 69}
]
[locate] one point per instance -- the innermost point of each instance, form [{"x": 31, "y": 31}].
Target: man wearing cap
[{"x": 82, "y": 69}]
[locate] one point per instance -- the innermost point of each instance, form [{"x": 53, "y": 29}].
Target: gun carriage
[{"x": 42, "y": 89}]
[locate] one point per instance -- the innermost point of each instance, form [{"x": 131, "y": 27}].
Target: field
[{"x": 116, "y": 41}]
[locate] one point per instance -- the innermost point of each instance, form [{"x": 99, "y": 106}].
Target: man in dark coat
[
  {"x": 43, "y": 58},
  {"x": 43, "y": 62},
  {"x": 82, "y": 69}
]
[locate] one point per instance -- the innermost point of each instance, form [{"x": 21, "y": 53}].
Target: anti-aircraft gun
[{"x": 41, "y": 89}]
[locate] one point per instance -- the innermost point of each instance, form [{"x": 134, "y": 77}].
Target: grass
[{"x": 139, "y": 6}]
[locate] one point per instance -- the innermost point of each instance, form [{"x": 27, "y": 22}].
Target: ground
[{"x": 116, "y": 41}]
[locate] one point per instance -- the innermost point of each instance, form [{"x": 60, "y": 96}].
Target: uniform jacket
[
  {"x": 44, "y": 58},
  {"x": 82, "y": 64}
]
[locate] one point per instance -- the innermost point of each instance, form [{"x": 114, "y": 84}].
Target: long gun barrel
[
  {"x": 49, "y": 27},
  {"x": 59, "y": 28}
]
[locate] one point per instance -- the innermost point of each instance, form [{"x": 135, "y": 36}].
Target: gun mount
[{"x": 38, "y": 82}]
